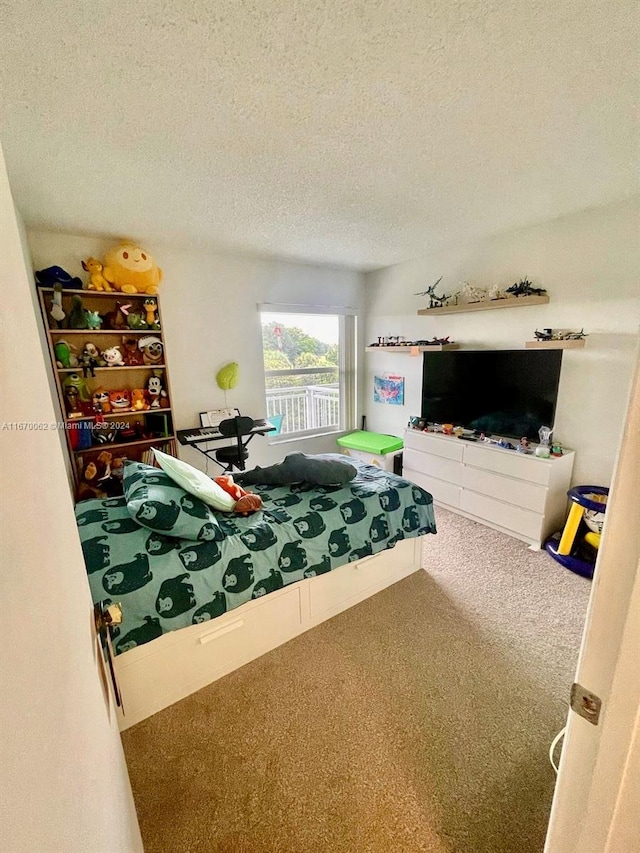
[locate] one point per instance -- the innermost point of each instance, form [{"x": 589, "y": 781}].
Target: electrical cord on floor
[{"x": 552, "y": 748}]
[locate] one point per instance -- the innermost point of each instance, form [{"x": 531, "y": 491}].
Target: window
[{"x": 309, "y": 368}]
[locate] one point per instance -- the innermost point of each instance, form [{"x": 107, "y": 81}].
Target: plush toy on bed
[
  {"x": 319, "y": 470},
  {"x": 245, "y": 501}
]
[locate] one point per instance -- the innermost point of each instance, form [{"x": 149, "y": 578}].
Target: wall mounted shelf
[
  {"x": 487, "y": 305},
  {"x": 571, "y": 344},
  {"x": 414, "y": 350}
]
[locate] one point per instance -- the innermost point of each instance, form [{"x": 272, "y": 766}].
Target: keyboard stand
[{"x": 201, "y": 436}]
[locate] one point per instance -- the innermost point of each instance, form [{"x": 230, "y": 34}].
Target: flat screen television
[{"x": 509, "y": 393}]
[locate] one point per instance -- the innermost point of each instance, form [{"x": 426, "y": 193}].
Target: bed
[{"x": 204, "y": 592}]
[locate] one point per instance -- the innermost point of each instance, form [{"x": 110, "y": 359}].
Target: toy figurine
[
  {"x": 152, "y": 318},
  {"x": 96, "y": 280},
  {"x": 74, "y": 380},
  {"x": 120, "y": 401},
  {"x": 523, "y": 445},
  {"x": 131, "y": 269},
  {"x": 101, "y": 403},
  {"x": 51, "y": 276},
  {"x": 94, "y": 320},
  {"x": 139, "y": 400},
  {"x": 556, "y": 449},
  {"x": 544, "y": 335},
  {"x": 94, "y": 352},
  {"x": 77, "y": 316},
  {"x": 113, "y": 357},
  {"x": 132, "y": 355},
  {"x": 152, "y": 349},
  {"x": 71, "y": 402},
  {"x": 156, "y": 392},
  {"x": 89, "y": 362},
  {"x": 525, "y": 288},
  {"x": 65, "y": 354},
  {"x": 57, "y": 311},
  {"x": 136, "y": 322},
  {"x": 117, "y": 319}
]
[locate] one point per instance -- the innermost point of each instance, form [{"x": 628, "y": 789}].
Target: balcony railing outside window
[{"x": 307, "y": 398}]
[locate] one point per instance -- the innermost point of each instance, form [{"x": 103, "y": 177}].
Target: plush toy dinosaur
[{"x": 245, "y": 501}]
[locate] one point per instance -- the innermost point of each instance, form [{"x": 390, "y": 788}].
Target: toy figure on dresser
[
  {"x": 100, "y": 400},
  {"x": 51, "y": 276},
  {"x": 132, "y": 355},
  {"x": 96, "y": 279},
  {"x": 152, "y": 318},
  {"x": 120, "y": 401},
  {"x": 131, "y": 269},
  {"x": 117, "y": 318},
  {"x": 139, "y": 400},
  {"x": 57, "y": 311},
  {"x": 113, "y": 357},
  {"x": 152, "y": 349},
  {"x": 77, "y": 315},
  {"x": 523, "y": 445},
  {"x": 155, "y": 390},
  {"x": 65, "y": 354}
]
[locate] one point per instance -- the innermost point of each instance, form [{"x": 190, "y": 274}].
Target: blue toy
[
  {"x": 578, "y": 554},
  {"x": 56, "y": 275}
]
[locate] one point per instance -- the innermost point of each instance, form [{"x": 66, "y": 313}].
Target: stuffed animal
[
  {"x": 78, "y": 315},
  {"x": 152, "y": 349},
  {"x": 101, "y": 402},
  {"x": 151, "y": 310},
  {"x": 136, "y": 322},
  {"x": 132, "y": 355},
  {"x": 57, "y": 311},
  {"x": 118, "y": 318},
  {"x": 120, "y": 401},
  {"x": 96, "y": 279},
  {"x": 131, "y": 269},
  {"x": 65, "y": 354},
  {"x": 139, "y": 400},
  {"x": 246, "y": 502},
  {"x": 156, "y": 392},
  {"x": 51, "y": 276},
  {"x": 113, "y": 357},
  {"x": 74, "y": 380},
  {"x": 94, "y": 320}
]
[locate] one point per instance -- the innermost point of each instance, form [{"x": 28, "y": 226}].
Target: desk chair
[{"x": 234, "y": 455}]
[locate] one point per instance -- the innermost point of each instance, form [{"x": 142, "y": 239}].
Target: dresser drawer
[
  {"x": 525, "y": 495},
  {"x": 444, "y": 493},
  {"x": 505, "y": 515},
  {"x": 508, "y": 462},
  {"x": 435, "y": 466},
  {"x": 447, "y": 448}
]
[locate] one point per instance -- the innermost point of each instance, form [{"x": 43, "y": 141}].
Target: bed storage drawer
[
  {"x": 189, "y": 659},
  {"x": 334, "y": 592}
]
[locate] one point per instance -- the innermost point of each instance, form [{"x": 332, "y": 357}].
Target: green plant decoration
[{"x": 227, "y": 376}]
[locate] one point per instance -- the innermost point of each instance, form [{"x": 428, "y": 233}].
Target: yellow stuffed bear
[{"x": 131, "y": 270}]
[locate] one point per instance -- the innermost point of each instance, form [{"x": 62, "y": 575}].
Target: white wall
[
  {"x": 64, "y": 782},
  {"x": 589, "y": 264},
  {"x": 210, "y": 318}
]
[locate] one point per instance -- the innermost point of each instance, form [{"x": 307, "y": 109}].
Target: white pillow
[{"x": 195, "y": 482}]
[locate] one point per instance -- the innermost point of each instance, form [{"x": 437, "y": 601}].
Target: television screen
[{"x": 499, "y": 392}]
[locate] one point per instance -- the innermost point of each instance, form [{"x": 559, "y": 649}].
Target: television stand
[{"x": 517, "y": 493}]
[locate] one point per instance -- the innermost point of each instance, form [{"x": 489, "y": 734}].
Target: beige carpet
[{"x": 419, "y": 720}]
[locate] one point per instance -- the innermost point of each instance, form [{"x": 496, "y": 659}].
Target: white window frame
[{"x": 347, "y": 377}]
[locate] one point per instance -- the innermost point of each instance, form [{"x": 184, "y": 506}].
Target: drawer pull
[{"x": 226, "y": 629}]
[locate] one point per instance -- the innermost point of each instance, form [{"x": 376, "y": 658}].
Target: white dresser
[{"x": 519, "y": 494}]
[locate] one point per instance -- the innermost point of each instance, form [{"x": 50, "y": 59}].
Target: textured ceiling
[{"x": 352, "y": 132}]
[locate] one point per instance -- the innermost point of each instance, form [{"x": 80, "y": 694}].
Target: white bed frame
[{"x": 162, "y": 672}]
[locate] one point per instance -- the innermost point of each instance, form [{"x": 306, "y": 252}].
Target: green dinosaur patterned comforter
[{"x": 165, "y": 583}]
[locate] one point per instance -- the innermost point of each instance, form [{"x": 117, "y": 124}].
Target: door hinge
[{"x": 585, "y": 703}]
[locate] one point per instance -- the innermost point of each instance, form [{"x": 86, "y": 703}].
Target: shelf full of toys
[
  {"x": 110, "y": 366},
  {"x": 472, "y": 298}
]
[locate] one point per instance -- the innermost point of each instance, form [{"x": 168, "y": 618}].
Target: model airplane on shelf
[{"x": 550, "y": 335}]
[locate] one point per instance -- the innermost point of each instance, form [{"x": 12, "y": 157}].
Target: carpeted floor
[{"x": 419, "y": 720}]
